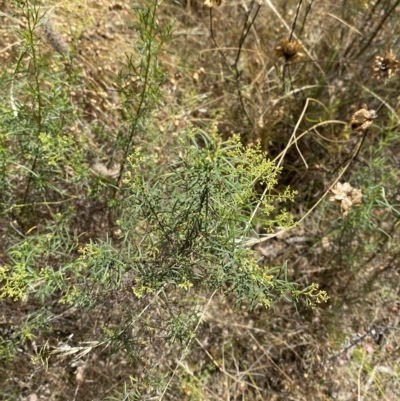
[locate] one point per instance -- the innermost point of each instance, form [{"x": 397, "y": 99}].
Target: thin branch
[
  {"x": 295, "y": 19},
  {"x": 215, "y": 41}
]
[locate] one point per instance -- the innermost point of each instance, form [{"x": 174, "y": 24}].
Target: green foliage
[
  {"x": 32, "y": 266},
  {"x": 140, "y": 79},
  {"x": 191, "y": 221},
  {"x": 37, "y": 145},
  {"x": 7, "y": 348},
  {"x": 183, "y": 225},
  {"x": 134, "y": 390},
  {"x": 169, "y": 226},
  {"x": 182, "y": 327}
]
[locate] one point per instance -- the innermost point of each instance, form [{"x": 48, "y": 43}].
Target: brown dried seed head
[
  {"x": 326, "y": 244},
  {"x": 197, "y": 74},
  {"x": 385, "y": 67},
  {"x": 290, "y": 51},
  {"x": 346, "y": 196},
  {"x": 356, "y": 197},
  {"x": 362, "y": 119},
  {"x": 210, "y": 3}
]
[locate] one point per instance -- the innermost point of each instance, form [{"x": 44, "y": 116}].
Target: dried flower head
[
  {"x": 346, "y": 196},
  {"x": 290, "y": 51},
  {"x": 210, "y": 3},
  {"x": 198, "y": 74},
  {"x": 362, "y": 119},
  {"x": 385, "y": 67}
]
